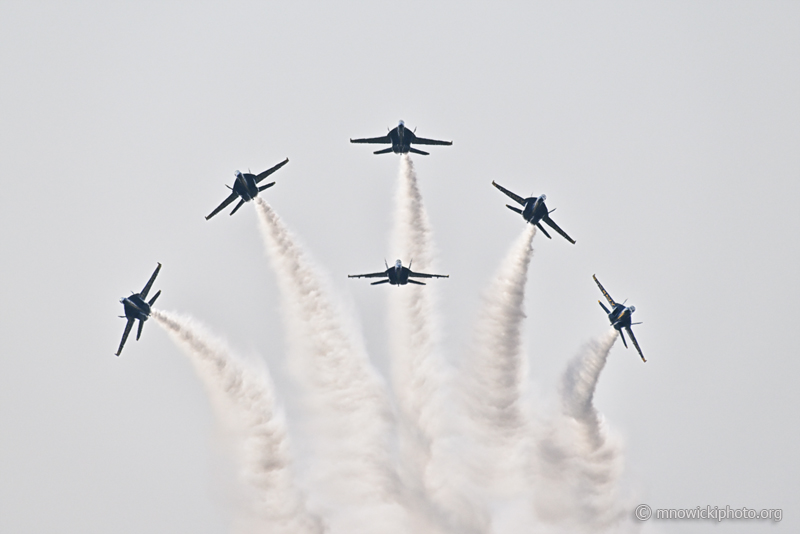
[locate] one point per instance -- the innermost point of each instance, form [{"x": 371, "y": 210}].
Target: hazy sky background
[{"x": 667, "y": 134}]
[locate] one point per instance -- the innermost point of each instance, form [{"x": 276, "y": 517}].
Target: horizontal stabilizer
[
  {"x": 139, "y": 332},
  {"x": 239, "y": 205},
  {"x": 420, "y": 152},
  {"x": 380, "y": 282},
  {"x": 416, "y": 282},
  {"x": 512, "y": 208},
  {"x": 152, "y": 300},
  {"x": 622, "y": 335},
  {"x": 266, "y": 186},
  {"x": 603, "y": 306},
  {"x": 384, "y": 151},
  {"x": 539, "y": 226}
]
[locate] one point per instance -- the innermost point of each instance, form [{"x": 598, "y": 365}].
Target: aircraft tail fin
[
  {"x": 139, "y": 331},
  {"x": 266, "y": 186},
  {"x": 417, "y": 151},
  {"x": 512, "y": 208},
  {"x": 152, "y": 300},
  {"x": 239, "y": 205},
  {"x": 384, "y": 151},
  {"x": 539, "y": 226},
  {"x": 604, "y": 307}
]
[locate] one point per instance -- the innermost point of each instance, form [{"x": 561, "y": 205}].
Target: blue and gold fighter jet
[
  {"x": 246, "y": 188},
  {"x": 534, "y": 211},
  {"x": 398, "y": 275},
  {"x": 620, "y": 317},
  {"x": 136, "y": 307},
  {"x": 401, "y": 138}
]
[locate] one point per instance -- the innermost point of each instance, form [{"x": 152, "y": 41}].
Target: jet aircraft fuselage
[
  {"x": 245, "y": 186},
  {"x": 135, "y": 307},
  {"x": 620, "y": 316}
]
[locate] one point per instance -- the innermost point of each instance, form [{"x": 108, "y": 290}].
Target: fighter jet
[
  {"x": 534, "y": 210},
  {"x": 398, "y": 275},
  {"x": 245, "y": 187},
  {"x": 401, "y": 139},
  {"x": 620, "y": 317},
  {"x": 137, "y": 308}
]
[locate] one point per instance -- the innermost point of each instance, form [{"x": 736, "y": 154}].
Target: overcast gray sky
[{"x": 667, "y": 134}]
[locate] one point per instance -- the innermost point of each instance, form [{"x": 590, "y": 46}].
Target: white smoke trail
[
  {"x": 580, "y": 463},
  {"x": 243, "y": 396},
  {"x": 495, "y": 372},
  {"x": 348, "y": 408},
  {"x": 429, "y": 467}
]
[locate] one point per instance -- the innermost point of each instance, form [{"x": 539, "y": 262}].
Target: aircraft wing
[
  {"x": 370, "y": 275},
  {"x": 552, "y": 224},
  {"x": 517, "y": 198},
  {"x": 125, "y": 335},
  {"x": 605, "y": 293},
  {"x": 271, "y": 170},
  {"x": 423, "y": 275},
  {"x": 374, "y": 140},
  {"x": 635, "y": 343},
  {"x": 423, "y": 141},
  {"x": 149, "y": 284},
  {"x": 231, "y": 198}
]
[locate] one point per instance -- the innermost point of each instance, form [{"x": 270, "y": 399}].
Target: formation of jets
[
  {"x": 246, "y": 187},
  {"x": 398, "y": 275}
]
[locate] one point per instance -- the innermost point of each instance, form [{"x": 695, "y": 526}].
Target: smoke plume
[
  {"x": 242, "y": 395},
  {"x": 580, "y": 463},
  {"x": 430, "y": 467},
  {"x": 495, "y": 372},
  {"x": 348, "y": 408}
]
